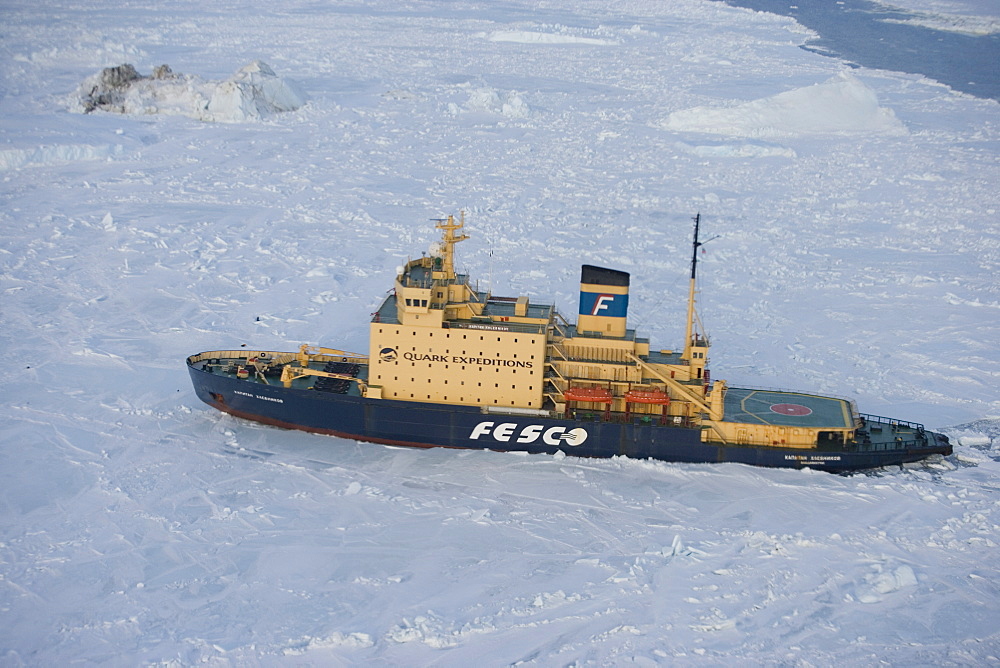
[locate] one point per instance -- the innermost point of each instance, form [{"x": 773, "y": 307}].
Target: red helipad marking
[{"x": 790, "y": 409}]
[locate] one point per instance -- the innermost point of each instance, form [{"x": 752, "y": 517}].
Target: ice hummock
[{"x": 254, "y": 92}]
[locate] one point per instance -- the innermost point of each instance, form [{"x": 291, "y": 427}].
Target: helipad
[{"x": 787, "y": 409}]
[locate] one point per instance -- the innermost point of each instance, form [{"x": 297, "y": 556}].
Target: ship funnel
[{"x": 603, "y": 301}]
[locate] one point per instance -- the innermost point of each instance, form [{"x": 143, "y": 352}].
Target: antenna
[
  {"x": 697, "y": 244},
  {"x": 690, "y": 334}
]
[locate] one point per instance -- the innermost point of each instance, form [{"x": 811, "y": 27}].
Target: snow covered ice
[
  {"x": 842, "y": 105},
  {"x": 858, "y": 254}
]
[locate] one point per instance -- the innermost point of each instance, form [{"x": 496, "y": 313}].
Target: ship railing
[
  {"x": 559, "y": 349},
  {"x": 496, "y": 326},
  {"x": 629, "y": 335},
  {"x": 241, "y": 354},
  {"x": 788, "y": 390},
  {"x": 616, "y": 417},
  {"x": 791, "y": 390},
  {"x": 386, "y": 313},
  {"x": 898, "y": 444},
  {"x": 552, "y": 372},
  {"x": 554, "y": 392},
  {"x": 556, "y": 315},
  {"x": 270, "y": 358},
  {"x": 427, "y": 282},
  {"x": 855, "y": 445},
  {"x": 893, "y": 422}
]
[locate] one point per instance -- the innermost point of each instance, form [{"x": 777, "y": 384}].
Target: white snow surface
[
  {"x": 139, "y": 527},
  {"x": 531, "y": 37}
]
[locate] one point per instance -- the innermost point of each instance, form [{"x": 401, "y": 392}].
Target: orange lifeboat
[
  {"x": 646, "y": 396},
  {"x": 589, "y": 393},
  {"x": 599, "y": 395},
  {"x": 654, "y": 396}
]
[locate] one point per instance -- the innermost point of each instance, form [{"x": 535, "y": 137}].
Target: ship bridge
[{"x": 438, "y": 338}]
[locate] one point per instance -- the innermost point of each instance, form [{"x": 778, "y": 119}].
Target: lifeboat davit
[{"x": 649, "y": 396}]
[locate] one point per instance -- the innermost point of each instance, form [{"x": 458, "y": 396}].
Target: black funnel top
[{"x": 601, "y": 276}]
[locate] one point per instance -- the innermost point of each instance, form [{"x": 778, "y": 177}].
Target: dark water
[{"x": 853, "y": 30}]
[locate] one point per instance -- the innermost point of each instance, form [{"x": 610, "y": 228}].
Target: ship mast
[
  {"x": 450, "y": 239},
  {"x": 690, "y": 333}
]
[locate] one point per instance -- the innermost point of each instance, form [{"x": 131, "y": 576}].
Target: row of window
[
  {"x": 529, "y": 388},
  {"x": 447, "y": 351},
  {"x": 531, "y": 372},
  {"x": 461, "y": 399},
  {"x": 447, "y": 335}
]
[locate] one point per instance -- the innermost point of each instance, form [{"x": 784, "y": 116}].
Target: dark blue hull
[{"x": 426, "y": 425}]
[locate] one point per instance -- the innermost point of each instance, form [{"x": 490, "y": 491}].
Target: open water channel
[{"x": 865, "y": 33}]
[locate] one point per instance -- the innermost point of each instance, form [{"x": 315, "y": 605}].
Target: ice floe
[{"x": 841, "y": 105}]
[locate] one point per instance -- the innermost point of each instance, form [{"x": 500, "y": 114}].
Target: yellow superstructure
[{"x": 439, "y": 339}]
